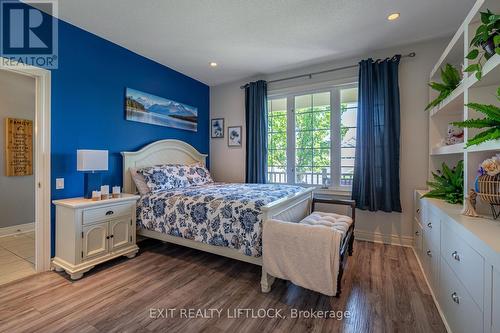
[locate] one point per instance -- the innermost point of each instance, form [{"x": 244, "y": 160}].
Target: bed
[{"x": 251, "y": 205}]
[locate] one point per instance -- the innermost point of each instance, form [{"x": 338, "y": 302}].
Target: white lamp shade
[{"x": 92, "y": 160}]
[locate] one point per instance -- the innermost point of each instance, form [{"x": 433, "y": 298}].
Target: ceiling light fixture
[
  {"x": 393, "y": 16},
  {"x": 213, "y": 64}
]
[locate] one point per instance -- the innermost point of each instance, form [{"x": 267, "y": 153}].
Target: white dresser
[
  {"x": 460, "y": 258},
  {"x": 91, "y": 232}
]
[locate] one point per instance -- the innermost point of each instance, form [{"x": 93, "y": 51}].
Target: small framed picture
[
  {"x": 234, "y": 136},
  {"x": 217, "y": 128}
]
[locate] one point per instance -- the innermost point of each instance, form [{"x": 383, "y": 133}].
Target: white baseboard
[
  {"x": 17, "y": 229},
  {"x": 377, "y": 237}
]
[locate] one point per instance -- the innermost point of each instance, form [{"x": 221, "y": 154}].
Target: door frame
[{"x": 42, "y": 159}]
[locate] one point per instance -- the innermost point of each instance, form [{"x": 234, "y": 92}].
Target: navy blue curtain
[
  {"x": 376, "y": 168},
  {"x": 256, "y": 129}
]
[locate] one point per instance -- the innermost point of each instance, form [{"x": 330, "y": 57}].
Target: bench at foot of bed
[{"x": 319, "y": 243}]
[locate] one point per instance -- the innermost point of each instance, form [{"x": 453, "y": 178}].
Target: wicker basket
[{"x": 489, "y": 189}]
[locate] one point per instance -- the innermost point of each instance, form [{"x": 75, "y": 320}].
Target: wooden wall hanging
[{"x": 18, "y": 147}]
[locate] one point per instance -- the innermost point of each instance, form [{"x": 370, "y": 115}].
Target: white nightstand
[{"x": 91, "y": 232}]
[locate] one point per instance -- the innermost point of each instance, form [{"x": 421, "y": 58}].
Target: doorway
[
  {"x": 25, "y": 210},
  {"x": 17, "y": 181}
]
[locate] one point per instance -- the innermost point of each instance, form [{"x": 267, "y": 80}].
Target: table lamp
[{"x": 91, "y": 162}]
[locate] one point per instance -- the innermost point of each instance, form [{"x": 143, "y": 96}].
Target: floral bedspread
[{"x": 226, "y": 215}]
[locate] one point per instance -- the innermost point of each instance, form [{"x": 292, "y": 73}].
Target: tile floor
[{"x": 17, "y": 256}]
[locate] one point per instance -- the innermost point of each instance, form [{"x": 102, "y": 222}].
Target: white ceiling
[{"x": 251, "y": 37}]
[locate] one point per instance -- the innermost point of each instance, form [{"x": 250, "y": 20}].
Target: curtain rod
[{"x": 309, "y": 75}]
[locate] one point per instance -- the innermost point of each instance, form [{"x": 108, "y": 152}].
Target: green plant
[
  {"x": 488, "y": 38},
  {"x": 491, "y": 121},
  {"x": 307, "y": 122},
  {"x": 448, "y": 184},
  {"x": 451, "y": 79}
]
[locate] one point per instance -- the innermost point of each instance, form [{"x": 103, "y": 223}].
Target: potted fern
[
  {"x": 491, "y": 122},
  {"x": 448, "y": 184},
  {"x": 451, "y": 79}
]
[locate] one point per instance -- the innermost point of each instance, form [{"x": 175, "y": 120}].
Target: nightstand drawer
[{"x": 106, "y": 213}]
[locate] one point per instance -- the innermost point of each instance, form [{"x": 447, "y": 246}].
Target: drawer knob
[
  {"x": 418, "y": 210},
  {"x": 455, "y": 298},
  {"x": 429, "y": 253},
  {"x": 110, "y": 212},
  {"x": 455, "y": 256},
  {"x": 429, "y": 225},
  {"x": 417, "y": 233},
  {"x": 107, "y": 237}
]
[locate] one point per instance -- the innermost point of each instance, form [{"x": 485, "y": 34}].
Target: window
[
  {"x": 277, "y": 141},
  {"x": 348, "y": 115},
  {"x": 313, "y": 136}
]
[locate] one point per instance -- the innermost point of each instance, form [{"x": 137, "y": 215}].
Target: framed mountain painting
[{"x": 150, "y": 109}]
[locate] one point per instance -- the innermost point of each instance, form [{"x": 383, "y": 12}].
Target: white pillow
[{"x": 139, "y": 181}]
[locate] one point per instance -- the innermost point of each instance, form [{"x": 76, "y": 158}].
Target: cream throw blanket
[{"x": 306, "y": 253}]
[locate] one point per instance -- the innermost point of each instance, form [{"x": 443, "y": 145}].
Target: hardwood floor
[{"x": 383, "y": 290}]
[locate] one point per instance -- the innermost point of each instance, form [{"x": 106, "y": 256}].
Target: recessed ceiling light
[
  {"x": 393, "y": 16},
  {"x": 213, "y": 64}
]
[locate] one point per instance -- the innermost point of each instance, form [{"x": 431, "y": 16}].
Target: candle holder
[
  {"x": 116, "y": 192},
  {"x": 96, "y": 195},
  {"x": 104, "y": 192}
]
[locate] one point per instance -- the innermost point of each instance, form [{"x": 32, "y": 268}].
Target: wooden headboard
[{"x": 159, "y": 152}]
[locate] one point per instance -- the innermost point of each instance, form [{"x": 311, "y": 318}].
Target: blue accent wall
[{"x": 88, "y": 99}]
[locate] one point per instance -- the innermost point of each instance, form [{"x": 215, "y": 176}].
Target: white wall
[
  {"x": 228, "y": 102},
  {"x": 228, "y": 164},
  {"x": 17, "y": 194}
]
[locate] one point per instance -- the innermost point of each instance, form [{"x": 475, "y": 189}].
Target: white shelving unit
[
  {"x": 470, "y": 90},
  {"x": 447, "y": 150},
  {"x": 485, "y": 146},
  {"x": 491, "y": 74},
  {"x": 460, "y": 255},
  {"x": 451, "y": 104}
]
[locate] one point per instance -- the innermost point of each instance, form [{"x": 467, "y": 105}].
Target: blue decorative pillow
[
  {"x": 165, "y": 177},
  {"x": 198, "y": 174}
]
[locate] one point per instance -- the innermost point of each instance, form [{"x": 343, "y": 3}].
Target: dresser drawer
[
  {"x": 106, "y": 213},
  {"x": 417, "y": 203},
  {"x": 461, "y": 311},
  {"x": 496, "y": 302},
  {"x": 466, "y": 263},
  {"x": 422, "y": 210},
  {"x": 430, "y": 263},
  {"x": 432, "y": 226},
  {"x": 417, "y": 237}
]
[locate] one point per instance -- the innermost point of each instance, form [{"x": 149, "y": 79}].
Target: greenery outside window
[{"x": 312, "y": 135}]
